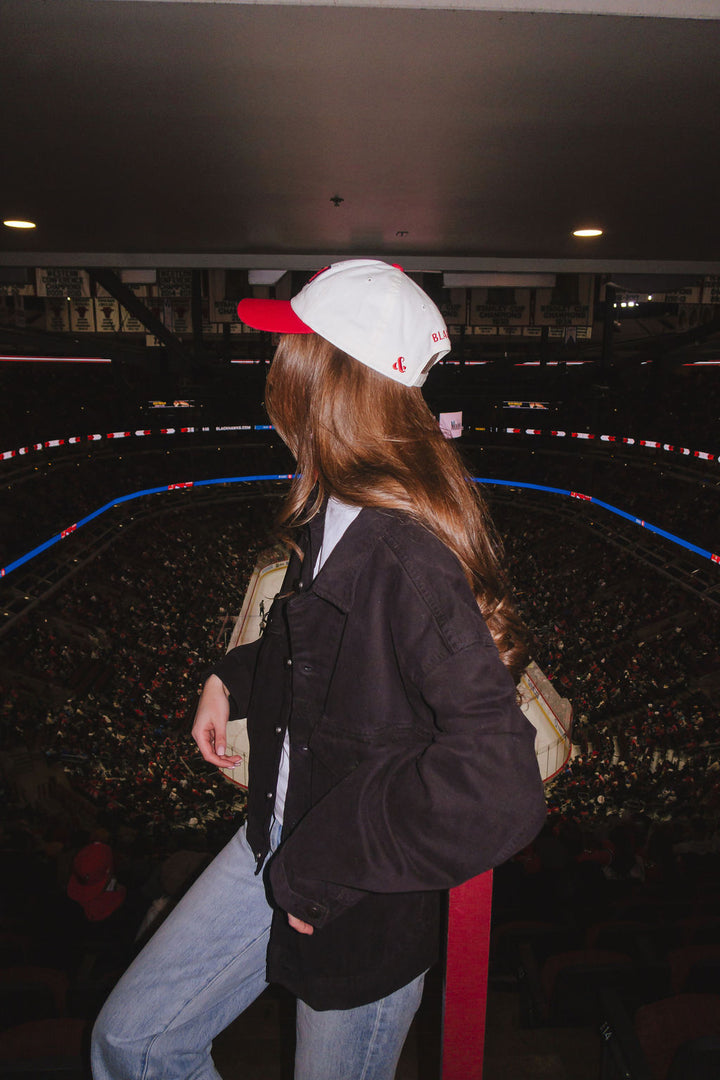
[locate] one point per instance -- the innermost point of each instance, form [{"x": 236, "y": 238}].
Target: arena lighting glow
[
  {"x": 587, "y": 232},
  {"x": 56, "y": 359},
  {"x": 18, "y": 223},
  {"x": 187, "y": 484}
]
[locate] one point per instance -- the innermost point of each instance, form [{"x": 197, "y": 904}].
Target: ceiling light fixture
[
  {"x": 587, "y": 232},
  {"x": 15, "y": 223}
]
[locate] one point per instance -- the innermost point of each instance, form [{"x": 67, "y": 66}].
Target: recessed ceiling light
[
  {"x": 587, "y": 232},
  {"x": 13, "y": 223}
]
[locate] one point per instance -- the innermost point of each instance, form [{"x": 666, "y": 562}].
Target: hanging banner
[
  {"x": 137, "y": 289},
  {"x": 711, "y": 290},
  {"x": 107, "y": 315},
  {"x": 216, "y": 286},
  {"x": 453, "y": 306},
  {"x": 82, "y": 316},
  {"x": 224, "y": 311},
  {"x": 57, "y": 281},
  {"x": 689, "y": 295},
  {"x": 57, "y": 316},
  {"x": 552, "y": 308},
  {"x": 180, "y": 316},
  {"x": 499, "y": 307},
  {"x": 129, "y": 324},
  {"x": 172, "y": 283}
]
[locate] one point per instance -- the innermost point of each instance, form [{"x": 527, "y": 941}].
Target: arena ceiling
[{"x": 444, "y": 136}]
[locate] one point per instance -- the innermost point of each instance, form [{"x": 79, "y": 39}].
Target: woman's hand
[
  {"x": 210, "y": 727},
  {"x": 300, "y": 926}
]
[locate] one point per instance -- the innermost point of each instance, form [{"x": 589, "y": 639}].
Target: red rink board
[{"x": 468, "y": 950}]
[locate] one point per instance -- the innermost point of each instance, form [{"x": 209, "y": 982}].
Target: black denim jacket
[{"x": 412, "y": 768}]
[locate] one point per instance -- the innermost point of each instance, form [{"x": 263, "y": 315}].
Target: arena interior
[{"x": 141, "y": 477}]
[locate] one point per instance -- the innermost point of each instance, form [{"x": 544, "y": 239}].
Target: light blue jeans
[{"x": 204, "y": 966}]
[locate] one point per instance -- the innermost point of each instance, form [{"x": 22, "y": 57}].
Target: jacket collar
[{"x": 337, "y": 581}]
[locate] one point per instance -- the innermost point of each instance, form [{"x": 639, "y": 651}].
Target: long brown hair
[{"x": 370, "y": 441}]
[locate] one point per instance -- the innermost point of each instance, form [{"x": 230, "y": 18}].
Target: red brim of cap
[{"x": 275, "y": 315}]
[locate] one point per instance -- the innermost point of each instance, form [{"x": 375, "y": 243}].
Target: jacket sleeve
[
  {"x": 236, "y": 670},
  {"x": 425, "y": 815}
]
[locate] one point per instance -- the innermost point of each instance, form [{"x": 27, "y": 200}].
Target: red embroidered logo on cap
[{"x": 399, "y": 364}]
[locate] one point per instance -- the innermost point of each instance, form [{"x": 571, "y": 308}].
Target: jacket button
[
  {"x": 315, "y": 910},
  {"x": 269, "y": 794},
  {"x": 288, "y": 661},
  {"x": 307, "y": 668},
  {"x": 278, "y": 731}
]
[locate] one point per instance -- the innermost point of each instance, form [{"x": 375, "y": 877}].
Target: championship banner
[
  {"x": 711, "y": 290},
  {"x": 552, "y": 308},
  {"x": 138, "y": 289},
  {"x": 57, "y": 316},
  {"x": 179, "y": 316},
  {"x": 159, "y": 310},
  {"x": 689, "y": 295},
  {"x": 216, "y": 287},
  {"x": 499, "y": 307},
  {"x": 172, "y": 283},
  {"x": 453, "y": 305},
  {"x": 57, "y": 281},
  {"x": 107, "y": 315},
  {"x": 82, "y": 316},
  {"x": 129, "y": 323},
  {"x": 224, "y": 311}
]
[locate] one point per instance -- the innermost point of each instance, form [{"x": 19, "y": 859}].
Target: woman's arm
[
  {"x": 226, "y": 690},
  {"x": 422, "y": 816}
]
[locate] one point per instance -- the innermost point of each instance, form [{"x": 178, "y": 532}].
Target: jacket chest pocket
[{"x": 334, "y": 755}]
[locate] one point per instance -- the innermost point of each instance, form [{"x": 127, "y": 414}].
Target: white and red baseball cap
[{"x": 369, "y": 309}]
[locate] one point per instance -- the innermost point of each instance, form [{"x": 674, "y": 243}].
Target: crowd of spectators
[
  {"x": 637, "y": 656},
  {"x": 99, "y": 684},
  {"x": 102, "y": 679}
]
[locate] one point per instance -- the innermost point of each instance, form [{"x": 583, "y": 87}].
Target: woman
[{"x": 389, "y": 758}]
